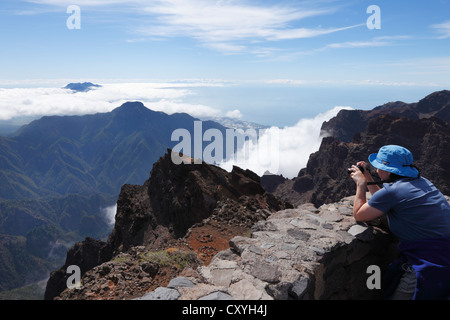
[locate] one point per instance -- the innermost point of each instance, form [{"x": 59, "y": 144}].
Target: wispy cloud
[
  {"x": 84, "y": 3},
  {"x": 227, "y": 26},
  {"x": 223, "y": 20},
  {"x": 230, "y": 26},
  {"x": 443, "y": 29},
  {"x": 302, "y": 33},
  {"x": 375, "y": 42}
]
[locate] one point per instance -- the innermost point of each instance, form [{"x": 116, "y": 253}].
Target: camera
[{"x": 359, "y": 167}]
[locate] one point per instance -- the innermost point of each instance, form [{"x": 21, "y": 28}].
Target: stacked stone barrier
[{"x": 302, "y": 253}]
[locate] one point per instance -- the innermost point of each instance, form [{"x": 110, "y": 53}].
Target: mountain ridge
[
  {"x": 325, "y": 180},
  {"x": 57, "y": 173},
  {"x": 81, "y": 146},
  {"x": 347, "y": 123}
]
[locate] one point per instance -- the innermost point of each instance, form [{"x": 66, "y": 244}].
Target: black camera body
[{"x": 359, "y": 167}]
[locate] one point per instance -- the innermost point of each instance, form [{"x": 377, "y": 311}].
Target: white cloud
[
  {"x": 165, "y": 97},
  {"x": 230, "y": 26},
  {"x": 363, "y": 82},
  {"x": 87, "y": 3},
  {"x": 358, "y": 44},
  {"x": 375, "y": 42},
  {"x": 234, "y": 114},
  {"x": 283, "y": 151},
  {"x": 227, "y": 26},
  {"x": 294, "y": 82},
  {"x": 443, "y": 29},
  {"x": 110, "y": 214},
  {"x": 302, "y": 33},
  {"x": 226, "y": 47},
  {"x": 223, "y": 20}
]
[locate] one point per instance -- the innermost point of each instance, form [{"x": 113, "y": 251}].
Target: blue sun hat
[{"x": 395, "y": 159}]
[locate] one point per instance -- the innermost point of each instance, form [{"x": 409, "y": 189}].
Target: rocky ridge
[
  {"x": 347, "y": 123},
  {"x": 301, "y": 253},
  {"x": 180, "y": 208}
]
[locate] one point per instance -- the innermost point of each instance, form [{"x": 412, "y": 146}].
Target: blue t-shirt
[{"x": 415, "y": 209}]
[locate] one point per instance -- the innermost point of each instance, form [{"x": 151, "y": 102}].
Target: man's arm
[
  {"x": 366, "y": 213},
  {"x": 362, "y": 211}
]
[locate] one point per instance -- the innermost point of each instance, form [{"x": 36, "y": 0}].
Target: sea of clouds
[
  {"x": 282, "y": 150},
  {"x": 166, "y": 97},
  {"x": 278, "y": 150}
]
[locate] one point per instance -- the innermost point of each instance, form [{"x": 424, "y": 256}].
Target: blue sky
[{"x": 274, "y": 61}]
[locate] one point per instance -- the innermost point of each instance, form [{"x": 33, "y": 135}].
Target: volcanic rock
[
  {"x": 347, "y": 123},
  {"x": 176, "y": 201}
]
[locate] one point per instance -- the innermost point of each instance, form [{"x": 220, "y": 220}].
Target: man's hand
[
  {"x": 372, "y": 188},
  {"x": 364, "y": 165},
  {"x": 357, "y": 176}
]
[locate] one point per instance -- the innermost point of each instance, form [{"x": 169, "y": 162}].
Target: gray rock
[
  {"x": 226, "y": 255},
  {"x": 331, "y": 216},
  {"x": 265, "y": 272},
  {"x": 245, "y": 290},
  {"x": 180, "y": 282},
  {"x": 305, "y": 224},
  {"x": 328, "y": 226},
  {"x": 255, "y": 250},
  {"x": 289, "y": 246},
  {"x": 270, "y": 259},
  {"x": 282, "y": 255},
  {"x": 222, "y": 277},
  {"x": 239, "y": 244},
  {"x": 299, "y": 234},
  {"x": 218, "y": 295},
  {"x": 267, "y": 245},
  {"x": 299, "y": 288},
  {"x": 161, "y": 293},
  {"x": 346, "y": 237},
  {"x": 363, "y": 233},
  {"x": 319, "y": 251},
  {"x": 263, "y": 226}
]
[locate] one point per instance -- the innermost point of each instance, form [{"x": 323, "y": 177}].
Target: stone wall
[{"x": 302, "y": 253}]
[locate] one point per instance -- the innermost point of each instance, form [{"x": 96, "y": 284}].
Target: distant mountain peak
[
  {"x": 82, "y": 87},
  {"x": 132, "y": 105},
  {"x": 133, "y": 108}
]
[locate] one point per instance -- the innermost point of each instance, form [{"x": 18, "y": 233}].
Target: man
[{"x": 418, "y": 214}]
